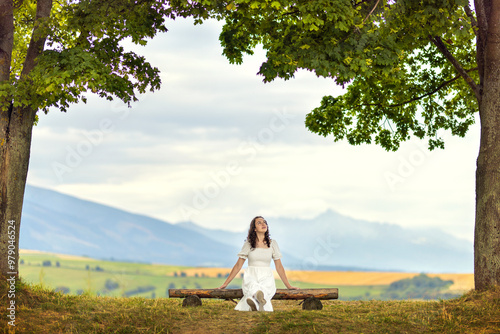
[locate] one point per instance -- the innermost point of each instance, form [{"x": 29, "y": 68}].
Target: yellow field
[
  {"x": 61, "y": 256},
  {"x": 462, "y": 282}
]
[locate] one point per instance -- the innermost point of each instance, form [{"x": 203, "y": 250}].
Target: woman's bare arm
[
  {"x": 236, "y": 269},
  {"x": 281, "y": 272}
]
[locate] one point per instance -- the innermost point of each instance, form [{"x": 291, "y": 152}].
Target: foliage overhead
[
  {"x": 398, "y": 60},
  {"x": 83, "y": 51},
  {"x": 389, "y": 55}
]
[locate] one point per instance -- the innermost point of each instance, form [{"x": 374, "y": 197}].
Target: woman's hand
[
  {"x": 233, "y": 273},
  {"x": 293, "y": 288}
]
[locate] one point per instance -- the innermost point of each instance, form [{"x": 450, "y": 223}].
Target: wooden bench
[{"x": 311, "y": 297}]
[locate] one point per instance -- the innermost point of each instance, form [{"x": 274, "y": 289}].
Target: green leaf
[{"x": 276, "y": 5}]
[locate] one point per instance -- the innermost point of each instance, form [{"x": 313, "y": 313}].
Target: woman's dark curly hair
[{"x": 252, "y": 235}]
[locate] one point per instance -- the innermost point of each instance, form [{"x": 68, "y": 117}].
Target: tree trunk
[
  {"x": 6, "y": 46},
  {"x": 16, "y": 125},
  {"x": 487, "y": 228},
  {"x": 6, "y": 38},
  {"x": 15, "y": 138}
]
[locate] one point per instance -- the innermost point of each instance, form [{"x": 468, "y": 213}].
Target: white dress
[{"x": 258, "y": 275}]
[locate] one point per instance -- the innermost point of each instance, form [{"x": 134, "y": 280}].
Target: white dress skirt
[{"x": 258, "y": 275}]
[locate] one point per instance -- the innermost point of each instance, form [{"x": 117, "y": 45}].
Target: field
[{"x": 76, "y": 275}]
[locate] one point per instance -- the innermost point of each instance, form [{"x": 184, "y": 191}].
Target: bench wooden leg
[
  {"x": 192, "y": 300},
  {"x": 312, "y": 303}
]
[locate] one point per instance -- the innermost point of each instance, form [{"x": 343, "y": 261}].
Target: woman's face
[{"x": 260, "y": 225}]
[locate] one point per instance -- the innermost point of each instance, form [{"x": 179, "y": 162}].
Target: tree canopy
[
  {"x": 82, "y": 52},
  {"x": 65, "y": 48},
  {"x": 398, "y": 60}
]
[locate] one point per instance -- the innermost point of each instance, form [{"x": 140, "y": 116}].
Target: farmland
[{"x": 78, "y": 275}]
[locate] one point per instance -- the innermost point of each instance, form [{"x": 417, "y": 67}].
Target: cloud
[{"x": 217, "y": 141}]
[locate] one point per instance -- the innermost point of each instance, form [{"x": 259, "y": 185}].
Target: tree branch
[
  {"x": 481, "y": 16},
  {"x": 419, "y": 97},
  {"x": 291, "y": 13},
  {"x": 444, "y": 50},
  {"x": 473, "y": 21},
  {"x": 370, "y": 13},
  {"x": 482, "y": 34},
  {"x": 37, "y": 42}
]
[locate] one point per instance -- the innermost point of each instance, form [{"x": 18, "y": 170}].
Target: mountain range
[{"x": 55, "y": 222}]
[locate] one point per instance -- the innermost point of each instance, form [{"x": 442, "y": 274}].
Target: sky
[{"x": 217, "y": 146}]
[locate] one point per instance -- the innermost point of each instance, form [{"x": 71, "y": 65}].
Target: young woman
[{"x": 258, "y": 280}]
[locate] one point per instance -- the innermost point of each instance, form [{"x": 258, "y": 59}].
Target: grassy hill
[{"x": 44, "y": 311}]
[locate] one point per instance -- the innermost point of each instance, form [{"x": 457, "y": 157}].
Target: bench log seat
[{"x": 311, "y": 296}]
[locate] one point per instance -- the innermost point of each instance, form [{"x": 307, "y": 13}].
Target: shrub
[
  {"x": 419, "y": 287},
  {"x": 111, "y": 285},
  {"x": 139, "y": 289},
  {"x": 63, "y": 289}
]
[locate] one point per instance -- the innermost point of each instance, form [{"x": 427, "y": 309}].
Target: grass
[{"x": 40, "y": 310}]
